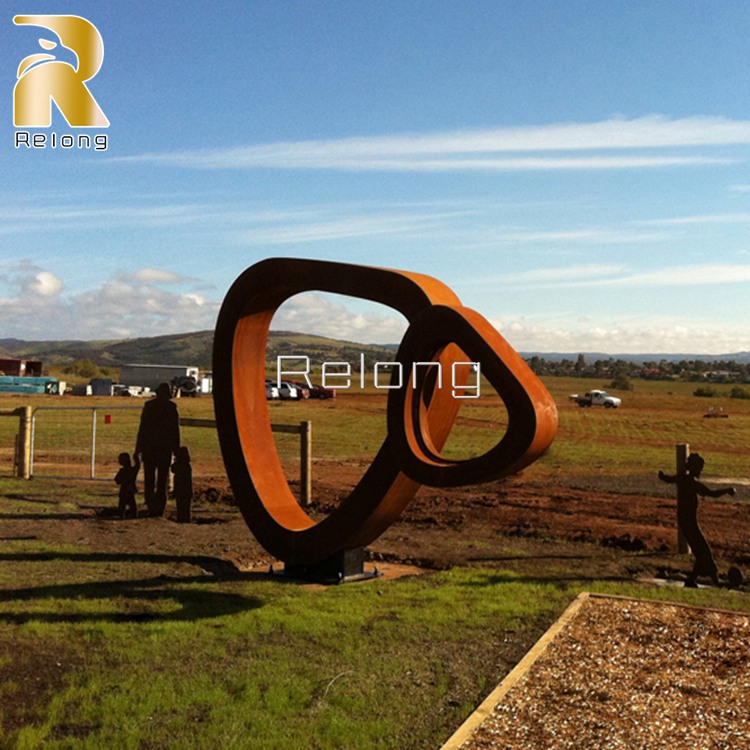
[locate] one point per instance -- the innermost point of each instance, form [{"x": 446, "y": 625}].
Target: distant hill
[
  {"x": 187, "y": 348},
  {"x": 195, "y": 349}
]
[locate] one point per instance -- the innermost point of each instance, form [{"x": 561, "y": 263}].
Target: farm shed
[{"x": 22, "y": 368}]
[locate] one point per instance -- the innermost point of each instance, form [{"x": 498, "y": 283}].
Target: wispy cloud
[
  {"x": 577, "y": 274},
  {"x": 621, "y": 275},
  {"x": 733, "y": 218},
  {"x": 704, "y": 274},
  {"x": 300, "y": 229},
  {"x": 272, "y": 226},
  {"x": 493, "y": 149},
  {"x": 596, "y": 235}
]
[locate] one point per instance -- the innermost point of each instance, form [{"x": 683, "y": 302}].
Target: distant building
[{"x": 22, "y": 368}]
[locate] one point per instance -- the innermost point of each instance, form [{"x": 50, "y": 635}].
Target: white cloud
[
  {"x": 640, "y": 336},
  {"x": 46, "y": 284},
  {"x": 317, "y": 313},
  {"x": 589, "y": 271},
  {"x": 159, "y": 276},
  {"x": 123, "y": 306},
  {"x": 481, "y": 149}
]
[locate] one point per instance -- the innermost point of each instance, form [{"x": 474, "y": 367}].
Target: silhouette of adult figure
[
  {"x": 688, "y": 491},
  {"x": 158, "y": 440}
]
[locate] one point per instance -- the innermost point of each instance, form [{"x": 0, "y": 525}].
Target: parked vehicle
[
  {"x": 272, "y": 392},
  {"x": 287, "y": 390},
  {"x": 597, "y": 398},
  {"x": 302, "y": 388},
  {"x": 185, "y": 386},
  {"x": 118, "y": 389},
  {"x": 317, "y": 391}
]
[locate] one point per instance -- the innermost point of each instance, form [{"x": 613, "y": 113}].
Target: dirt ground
[
  {"x": 571, "y": 527},
  {"x": 591, "y": 526}
]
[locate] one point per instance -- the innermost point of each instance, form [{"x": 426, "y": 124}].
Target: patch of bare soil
[
  {"x": 582, "y": 527},
  {"x": 589, "y": 521}
]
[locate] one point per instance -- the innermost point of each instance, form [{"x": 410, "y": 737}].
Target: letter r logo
[{"x": 43, "y": 79}]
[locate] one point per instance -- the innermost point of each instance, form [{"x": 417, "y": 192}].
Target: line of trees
[{"x": 725, "y": 371}]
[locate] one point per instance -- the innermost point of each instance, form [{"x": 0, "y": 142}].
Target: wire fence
[{"x": 83, "y": 443}]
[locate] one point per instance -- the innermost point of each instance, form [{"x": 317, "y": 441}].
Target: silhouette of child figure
[
  {"x": 126, "y": 477},
  {"x": 183, "y": 484},
  {"x": 688, "y": 491}
]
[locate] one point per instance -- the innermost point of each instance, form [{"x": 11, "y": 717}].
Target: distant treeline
[{"x": 689, "y": 370}]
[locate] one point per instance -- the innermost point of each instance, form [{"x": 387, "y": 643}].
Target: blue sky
[{"x": 578, "y": 172}]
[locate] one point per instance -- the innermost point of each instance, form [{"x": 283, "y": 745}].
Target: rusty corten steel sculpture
[{"x": 419, "y": 417}]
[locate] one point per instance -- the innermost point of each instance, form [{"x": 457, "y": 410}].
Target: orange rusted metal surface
[{"x": 419, "y": 417}]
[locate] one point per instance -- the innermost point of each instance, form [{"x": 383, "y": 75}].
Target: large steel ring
[{"x": 419, "y": 418}]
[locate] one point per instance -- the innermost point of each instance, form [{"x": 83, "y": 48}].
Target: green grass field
[
  {"x": 638, "y": 438},
  {"x": 147, "y": 651},
  {"x": 101, "y": 650}
]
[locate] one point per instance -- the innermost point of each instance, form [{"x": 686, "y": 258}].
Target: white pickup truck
[{"x": 597, "y": 398}]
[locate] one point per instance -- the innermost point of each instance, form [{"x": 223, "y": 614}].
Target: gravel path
[{"x": 627, "y": 674}]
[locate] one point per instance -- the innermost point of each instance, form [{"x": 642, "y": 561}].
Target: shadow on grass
[
  {"x": 214, "y": 565},
  {"x": 27, "y": 499},
  {"x": 111, "y": 513},
  {"x": 194, "y": 604},
  {"x": 134, "y": 594},
  {"x": 45, "y": 516}
]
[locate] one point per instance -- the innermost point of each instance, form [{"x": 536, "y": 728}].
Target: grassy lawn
[
  {"x": 638, "y": 438},
  {"x": 143, "y": 650}
]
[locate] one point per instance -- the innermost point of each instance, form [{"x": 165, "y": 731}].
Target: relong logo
[{"x": 43, "y": 78}]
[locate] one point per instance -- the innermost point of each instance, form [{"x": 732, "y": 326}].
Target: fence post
[
  {"x": 683, "y": 451},
  {"x": 93, "y": 442},
  {"x": 305, "y": 457},
  {"x": 24, "y": 442}
]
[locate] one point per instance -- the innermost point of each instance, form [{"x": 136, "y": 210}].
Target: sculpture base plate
[{"x": 344, "y": 566}]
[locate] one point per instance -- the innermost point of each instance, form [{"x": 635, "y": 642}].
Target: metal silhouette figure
[
  {"x": 126, "y": 480},
  {"x": 183, "y": 484},
  {"x": 689, "y": 489},
  {"x": 158, "y": 441}
]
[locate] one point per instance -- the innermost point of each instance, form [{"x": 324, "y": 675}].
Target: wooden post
[
  {"x": 304, "y": 430},
  {"x": 24, "y": 442},
  {"x": 683, "y": 451},
  {"x": 305, "y": 459}
]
